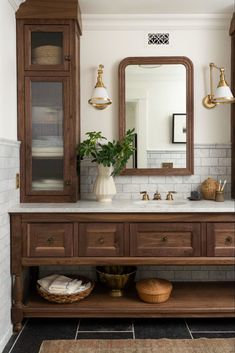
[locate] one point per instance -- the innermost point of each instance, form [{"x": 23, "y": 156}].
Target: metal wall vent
[{"x": 158, "y": 38}]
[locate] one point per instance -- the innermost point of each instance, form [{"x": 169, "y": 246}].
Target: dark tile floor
[{"x": 37, "y": 330}]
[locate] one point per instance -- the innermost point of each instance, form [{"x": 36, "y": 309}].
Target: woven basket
[
  {"x": 154, "y": 290},
  {"x": 66, "y": 298},
  {"x": 208, "y": 188},
  {"x": 47, "y": 55}
]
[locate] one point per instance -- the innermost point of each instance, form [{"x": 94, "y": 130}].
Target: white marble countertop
[{"x": 127, "y": 206}]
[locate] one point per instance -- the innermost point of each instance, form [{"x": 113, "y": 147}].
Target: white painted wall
[
  {"x": 201, "y": 40},
  {"x": 9, "y": 157},
  {"x": 8, "y": 107}
]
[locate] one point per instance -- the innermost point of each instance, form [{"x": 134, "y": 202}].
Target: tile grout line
[
  {"x": 78, "y": 326},
  {"x": 212, "y": 331},
  {"x": 18, "y": 336},
  {"x": 190, "y": 333},
  {"x": 133, "y": 330},
  {"x": 105, "y": 331}
]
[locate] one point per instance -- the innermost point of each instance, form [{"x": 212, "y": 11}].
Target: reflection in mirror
[{"x": 156, "y": 99}]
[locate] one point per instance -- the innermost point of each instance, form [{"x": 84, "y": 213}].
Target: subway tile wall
[
  {"x": 9, "y": 166},
  {"x": 210, "y": 160},
  {"x": 155, "y": 159}
]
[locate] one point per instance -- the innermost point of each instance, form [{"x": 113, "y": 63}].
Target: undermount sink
[{"x": 160, "y": 203}]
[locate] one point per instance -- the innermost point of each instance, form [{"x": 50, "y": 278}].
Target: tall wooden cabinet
[
  {"x": 48, "y": 34},
  {"x": 232, "y": 33}
]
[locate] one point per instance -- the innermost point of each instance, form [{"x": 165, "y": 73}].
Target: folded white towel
[
  {"x": 73, "y": 286},
  {"x": 46, "y": 281},
  {"x": 60, "y": 283}
]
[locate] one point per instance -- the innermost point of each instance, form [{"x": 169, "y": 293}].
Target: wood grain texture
[
  {"x": 50, "y": 9},
  {"x": 66, "y": 74},
  {"x": 187, "y": 300},
  {"x": 124, "y": 239},
  {"x": 221, "y": 239},
  {"x": 165, "y": 239}
]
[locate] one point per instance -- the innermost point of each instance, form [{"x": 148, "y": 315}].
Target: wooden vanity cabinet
[
  {"x": 221, "y": 239},
  {"x": 48, "y": 64},
  {"x": 165, "y": 239},
  {"x": 101, "y": 239},
  {"x": 71, "y": 239}
]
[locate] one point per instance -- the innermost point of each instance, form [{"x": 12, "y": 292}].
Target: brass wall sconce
[
  {"x": 100, "y": 99},
  {"x": 222, "y": 93}
]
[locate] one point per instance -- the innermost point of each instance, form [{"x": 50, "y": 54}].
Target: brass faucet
[
  {"x": 169, "y": 195},
  {"x": 157, "y": 196},
  {"x": 145, "y": 195}
]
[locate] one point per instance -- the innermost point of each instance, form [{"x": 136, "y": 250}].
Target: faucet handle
[
  {"x": 145, "y": 195},
  {"x": 169, "y": 195}
]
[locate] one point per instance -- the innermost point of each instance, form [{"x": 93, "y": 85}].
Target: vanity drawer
[
  {"x": 165, "y": 239},
  {"x": 221, "y": 239},
  {"x": 101, "y": 239},
  {"x": 48, "y": 239}
]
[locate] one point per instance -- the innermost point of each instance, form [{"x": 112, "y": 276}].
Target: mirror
[{"x": 156, "y": 98}]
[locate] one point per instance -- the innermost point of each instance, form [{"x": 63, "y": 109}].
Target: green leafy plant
[{"x": 115, "y": 153}]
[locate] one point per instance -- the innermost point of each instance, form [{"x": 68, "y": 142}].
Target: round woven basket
[
  {"x": 154, "y": 290},
  {"x": 66, "y": 298},
  {"x": 47, "y": 55}
]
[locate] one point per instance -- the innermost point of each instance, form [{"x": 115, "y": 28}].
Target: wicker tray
[{"x": 66, "y": 298}]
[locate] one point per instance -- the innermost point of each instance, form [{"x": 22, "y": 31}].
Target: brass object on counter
[
  {"x": 145, "y": 195},
  {"x": 157, "y": 196},
  {"x": 219, "y": 196},
  {"x": 169, "y": 196}
]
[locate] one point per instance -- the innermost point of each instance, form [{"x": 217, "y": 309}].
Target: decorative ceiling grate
[{"x": 158, "y": 38}]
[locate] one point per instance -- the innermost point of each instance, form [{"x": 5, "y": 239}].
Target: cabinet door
[
  {"x": 165, "y": 239},
  {"x": 47, "y": 139},
  {"x": 48, "y": 239},
  {"x": 101, "y": 239},
  {"x": 221, "y": 239},
  {"x": 47, "y": 47}
]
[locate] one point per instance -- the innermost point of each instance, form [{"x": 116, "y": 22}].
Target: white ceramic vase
[{"x": 104, "y": 187}]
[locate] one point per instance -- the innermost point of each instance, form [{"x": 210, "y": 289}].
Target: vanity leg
[{"x": 17, "y": 305}]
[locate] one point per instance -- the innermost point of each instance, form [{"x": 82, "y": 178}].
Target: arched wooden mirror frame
[{"x": 160, "y": 60}]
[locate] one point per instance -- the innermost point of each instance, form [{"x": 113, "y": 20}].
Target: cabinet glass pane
[
  {"x": 47, "y": 48},
  {"x": 47, "y": 136}
]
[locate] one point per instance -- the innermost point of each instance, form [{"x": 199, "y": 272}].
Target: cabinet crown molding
[{"x": 50, "y": 9}]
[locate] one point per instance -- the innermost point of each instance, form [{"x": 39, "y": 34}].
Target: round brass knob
[
  {"x": 50, "y": 240},
  {"x": 101, "y": 240},
  {"x": 67, "y": 58},
  {"x": 164, "y": 238},
  {"x": 228, "y": 240}
]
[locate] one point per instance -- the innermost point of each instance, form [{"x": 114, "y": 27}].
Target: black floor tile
[
  {"x": 215, "y": 324},
  {"x": 38, "y": 330},
  {"x": 105, "y": 325},
  {"x": 161, "y": 328},
  {"x": 213, "y": 334},
  {"x": 105, "y": 335},
  {"x": 10, "y": 343}
]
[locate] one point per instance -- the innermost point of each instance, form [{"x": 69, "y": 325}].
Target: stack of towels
[{"x": 59, "y": 284}]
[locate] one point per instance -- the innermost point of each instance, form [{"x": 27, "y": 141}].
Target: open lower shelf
[{"x": 211, "y": 299}]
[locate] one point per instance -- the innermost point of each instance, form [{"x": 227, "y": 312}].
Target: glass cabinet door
[
  {"x": 46, "y": 123},
  {"x": 47, "y": 47}
]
